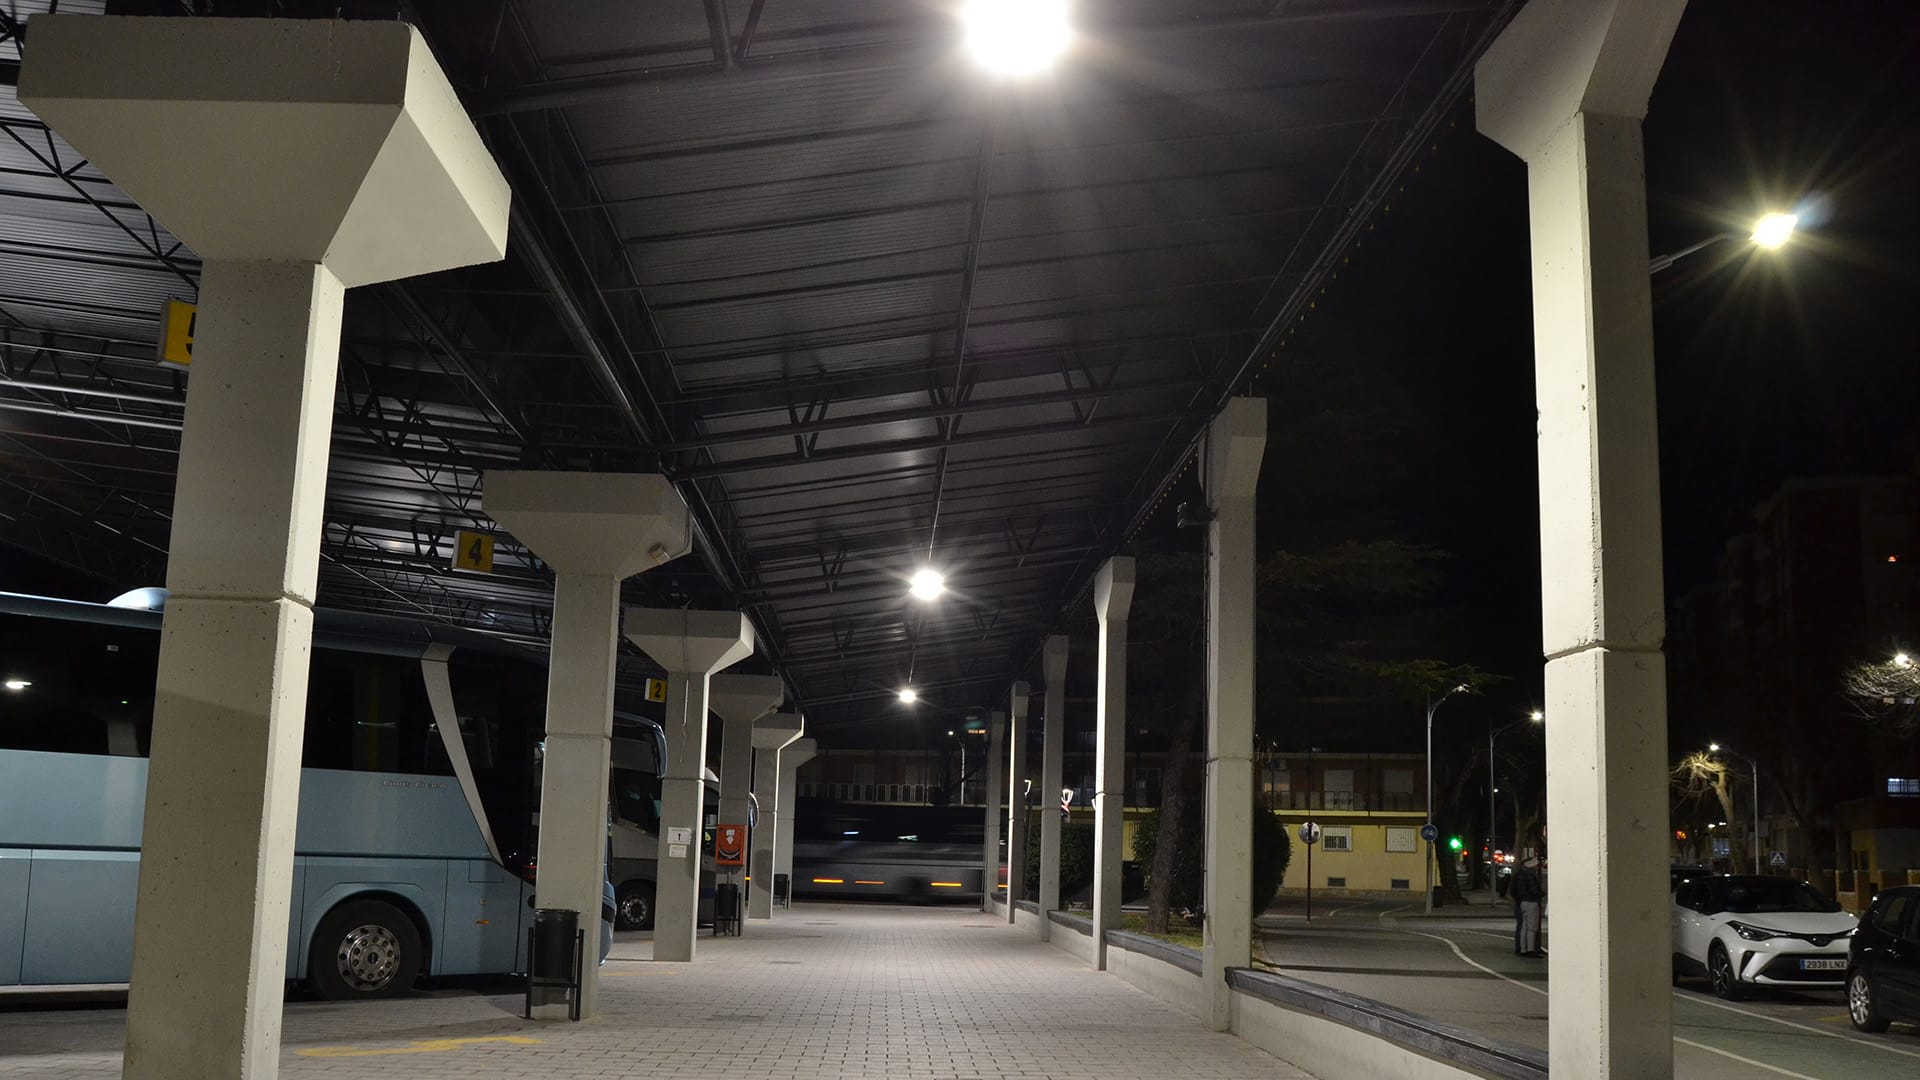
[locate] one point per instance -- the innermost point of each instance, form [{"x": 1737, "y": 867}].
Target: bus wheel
[
  {"x": 364, "y": 949},
  {"x": 636, "y": 906}
]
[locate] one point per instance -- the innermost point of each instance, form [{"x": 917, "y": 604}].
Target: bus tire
[
  {"x": 364, "y": 949},
  {"x": 635, "y": 908}
]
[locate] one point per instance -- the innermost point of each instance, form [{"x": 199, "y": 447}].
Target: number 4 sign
[{"x": 473, "y": 551}]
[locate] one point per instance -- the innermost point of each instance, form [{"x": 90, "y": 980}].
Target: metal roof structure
[{"x": 868, "y": 307}]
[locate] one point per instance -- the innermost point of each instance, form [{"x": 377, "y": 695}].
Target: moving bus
[
  {"x": 419, "y": 798},
  {"x": 917, "y": 853}
]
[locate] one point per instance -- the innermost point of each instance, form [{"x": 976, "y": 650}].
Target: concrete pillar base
[
  {"x": 1112, "y": 599},
  {"x": 771, "y": 735},
  {"x": 1053, "y": 747}
]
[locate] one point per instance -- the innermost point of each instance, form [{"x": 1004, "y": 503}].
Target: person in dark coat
[{"x": 1529, "y": 891}]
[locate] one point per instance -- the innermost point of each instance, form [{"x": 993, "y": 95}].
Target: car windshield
[{"x": 1756, "y": 896}]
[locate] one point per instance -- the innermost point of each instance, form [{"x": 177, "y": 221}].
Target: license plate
[{"x": 1823, "y": 965}]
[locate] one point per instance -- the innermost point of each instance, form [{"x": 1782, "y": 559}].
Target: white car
[{"x": 1747, "y": 931}]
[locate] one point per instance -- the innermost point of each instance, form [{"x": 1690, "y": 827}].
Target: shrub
[{"x": 1272, "y": 850}]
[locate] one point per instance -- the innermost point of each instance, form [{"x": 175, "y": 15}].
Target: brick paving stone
[{"x": 935, "y": 993}]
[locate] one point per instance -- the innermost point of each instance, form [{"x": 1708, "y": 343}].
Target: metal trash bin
[
  {"x": 726, "y": 909},
  {"x": 556, "y": 949},
  {"x": 783, "y": 890}
]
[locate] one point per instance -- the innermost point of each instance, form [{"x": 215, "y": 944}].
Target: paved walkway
[{"x": 822, "y": 991}]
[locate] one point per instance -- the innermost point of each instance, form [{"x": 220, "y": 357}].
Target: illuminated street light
[
  {"x": 1016, "y": 37},
  {"x": 927, "y": 584},
  {"x": 1900, "y": 660},
  {"x": 1536, "y": 716},
  {"x": 1769, "y": 233},
  {"x": 1774, "y": 229},
  {"x": 17, "y": 684},
  {"x": 908, "y": 696}
]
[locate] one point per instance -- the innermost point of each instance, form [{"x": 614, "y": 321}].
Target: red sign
[{"x": 730, "y": 845}]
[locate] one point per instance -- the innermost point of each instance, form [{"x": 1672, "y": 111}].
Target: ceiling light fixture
[
  {"x": 927, "y": 584},
  {"x": 1016, "y": 37},
  {"x": 908, "y": 696}
]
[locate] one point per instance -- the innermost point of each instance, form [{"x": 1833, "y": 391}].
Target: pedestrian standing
[{"x": 1529, "y": 893}]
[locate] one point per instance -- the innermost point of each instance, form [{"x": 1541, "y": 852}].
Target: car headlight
[{"x": 1752, "y": 933}]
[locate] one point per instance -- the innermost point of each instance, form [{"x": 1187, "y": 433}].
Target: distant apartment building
[{"x": 1824, "y": 580}]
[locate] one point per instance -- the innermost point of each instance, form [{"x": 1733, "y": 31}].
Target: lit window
[{"x": 1908, "y": 787}]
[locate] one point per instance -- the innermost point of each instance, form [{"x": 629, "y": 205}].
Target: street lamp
[
  {"x": 1493, "y": 830},
  {"x": 1433, "y": 705},
  {"x": 1716, "y": 748},
  {"x": 1769, "y": 233}
]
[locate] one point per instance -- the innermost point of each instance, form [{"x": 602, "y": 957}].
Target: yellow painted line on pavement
[{"x": 419, "y": 1046}]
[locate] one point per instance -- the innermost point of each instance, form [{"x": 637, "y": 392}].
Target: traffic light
[{"x": 1454, "y": 843}]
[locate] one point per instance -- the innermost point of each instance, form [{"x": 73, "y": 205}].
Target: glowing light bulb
[
  {"x": 908, "y": 696},
  {"x": 1774, "y": 229},
  {"x": 927, "y": 584},
  {"x": 1016, "y": 37}
]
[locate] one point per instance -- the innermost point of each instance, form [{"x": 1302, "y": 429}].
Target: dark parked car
[
  {"x": 1679, "y": 872},
  {"x": 1883, "y": 965}
]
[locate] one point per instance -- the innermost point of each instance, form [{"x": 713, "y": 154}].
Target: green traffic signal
[{"x": 1454, "y": 843}]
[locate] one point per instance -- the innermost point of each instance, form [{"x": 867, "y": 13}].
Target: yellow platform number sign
[
  {"x": 473, "y": 551},
  {"x": 177, "y": 318},
  {"x": 656, "y": 689}
]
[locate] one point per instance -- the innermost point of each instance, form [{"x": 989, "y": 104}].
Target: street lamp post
[
  {"x": 1753, "y": 765},
  {"x": 1493, "y": 830},
  {"x": 1433, "y": 705},
  {"x": 1769, "y": 232}
]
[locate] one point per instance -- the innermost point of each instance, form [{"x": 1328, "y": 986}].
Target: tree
[
  {"x": 1700, "y": 777},
  {"x": 1185, "y": 858},
  {"x": 1886, "y": 693}
]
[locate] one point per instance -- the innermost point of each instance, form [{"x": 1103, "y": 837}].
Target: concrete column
[
  {"x": 990, "y": 844},
  {"x": 771, "y": 735},
  {"x": 595, "y": 530},
  {"x": 1016, "y": 794},
  {"x": 1565, "y": 88},
  {"x": 1235, "y": 444},
  {"x": 740, "y": 701},
  {"x": 1112, "y": 598},
  {"x": 1053, "y": 664},
  {"x": 691, "y": 646},
  {"x": 791, "y": 758},
  {"x": 343, "y": 159}
]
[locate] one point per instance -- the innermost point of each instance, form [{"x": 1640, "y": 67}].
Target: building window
[
  {"x": 1907, "y": 787},
  {"x": 1403, "y": 839},
  {"x": 1340, "y": 839},
  {"x": 1338, "y": 788}
]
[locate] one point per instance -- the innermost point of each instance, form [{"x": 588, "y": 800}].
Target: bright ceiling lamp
[
  {"x": 927, "y": 584},
  {"x": 1016, "y": 37},
  {"x": 908, "y": 696},
  {"x": 1773, "y": 230}
]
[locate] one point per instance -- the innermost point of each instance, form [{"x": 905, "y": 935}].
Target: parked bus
[
  {"x": 419, "y": 798},
  {"x": 639, "y": 760}
]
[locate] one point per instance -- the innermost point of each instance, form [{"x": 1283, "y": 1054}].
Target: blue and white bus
[{"x": 419, "y": 798}]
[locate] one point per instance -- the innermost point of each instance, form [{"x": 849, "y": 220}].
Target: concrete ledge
[
  {"x": 1315, "y": 1027},
  {"x": 1187, "y": 960},
  {"x": 1167, "y": 971},
  {"x": 1027, "y": 906},
  {"x": 1077, "y": 923}
]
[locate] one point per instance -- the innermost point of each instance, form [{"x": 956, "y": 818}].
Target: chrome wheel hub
[
  {"x": 1859, "y": 999},
  {"x": 634, "y": 910},
  {"x": 369, "y": 957}
]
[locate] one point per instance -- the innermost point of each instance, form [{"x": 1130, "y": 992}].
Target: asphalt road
[{"x": 1458, "y": 967}]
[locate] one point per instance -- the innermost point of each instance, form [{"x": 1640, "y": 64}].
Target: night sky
[{"x": 1772, "y": 365}]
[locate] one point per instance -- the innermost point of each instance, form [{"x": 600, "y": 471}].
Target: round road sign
[
  {"x": 1429, "y": 832},
  {"x": 1309, "y": 833}
]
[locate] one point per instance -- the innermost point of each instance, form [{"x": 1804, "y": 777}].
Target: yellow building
[{"x": 1369, "y": 808}]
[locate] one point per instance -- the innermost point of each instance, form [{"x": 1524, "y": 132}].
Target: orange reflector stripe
[
  {"x": 829, "y": 881},
  {"x": 945, "y": 884},
  {"x": 869, "y": 883}
]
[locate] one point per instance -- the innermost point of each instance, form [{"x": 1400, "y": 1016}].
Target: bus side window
[
  {"x": 76, "y": 687},
  {"x": 368, "y": 712}
]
